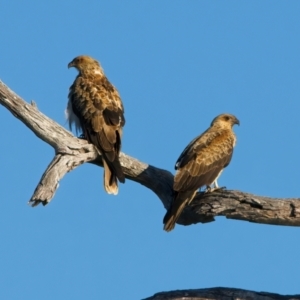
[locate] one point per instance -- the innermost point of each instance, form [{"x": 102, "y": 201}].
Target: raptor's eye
[{"x": 226, "y": 118}]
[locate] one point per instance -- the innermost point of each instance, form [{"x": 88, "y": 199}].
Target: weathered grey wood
[
  {"x": 70, "y": 152},
  {"x": 220, "y": 293},
  {"x": 247, "y": 207}
]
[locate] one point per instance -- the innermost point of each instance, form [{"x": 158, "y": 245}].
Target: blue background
[{"x": 176, "y": 64}]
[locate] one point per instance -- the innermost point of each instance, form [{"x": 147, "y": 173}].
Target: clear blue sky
[{"x": 176, "y": 64}]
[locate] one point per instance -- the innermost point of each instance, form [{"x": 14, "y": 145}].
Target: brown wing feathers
[
  {"x": 99, "y": 109},
  {"x": 200, "y": 164}
]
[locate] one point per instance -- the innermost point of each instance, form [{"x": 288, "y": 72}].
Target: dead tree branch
[
  {"x": 220, "y": 293},
  {"x": 71, "y": 152}
]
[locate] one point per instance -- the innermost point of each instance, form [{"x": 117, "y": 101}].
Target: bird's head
[
  {"x": 225, "y": 120},
  {"x": 85, "y": 63}
]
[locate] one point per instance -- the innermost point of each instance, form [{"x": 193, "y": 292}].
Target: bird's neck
[
  {"x": 223, "y": 126},
  {"x": 92, "y": 71}
]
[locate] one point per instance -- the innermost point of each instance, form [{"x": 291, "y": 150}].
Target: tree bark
[
  {"x": 220, "y": 293},
  {"x": 71, "y": 152}
]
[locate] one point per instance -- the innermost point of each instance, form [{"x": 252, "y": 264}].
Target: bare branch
[
  {"x": 220, "y": 293},
  {"x": 71, "y": 152}
]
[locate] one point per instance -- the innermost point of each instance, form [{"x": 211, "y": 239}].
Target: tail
[
  {"x": 181, "y": 199},
  {"x": 110, "y": 156},
  {"x": 112, "y": 172}
]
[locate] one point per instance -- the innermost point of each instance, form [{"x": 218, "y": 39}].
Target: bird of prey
[
  {"x": 200, "y": 164},
  {"x": 95, "y": 107}
]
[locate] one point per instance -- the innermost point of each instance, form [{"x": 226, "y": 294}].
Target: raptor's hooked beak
[
  {"x": 71, "y": 64},
  {"x": 236, "y": 121}
]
